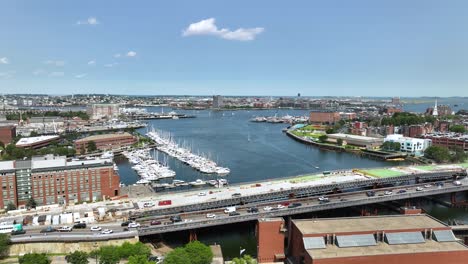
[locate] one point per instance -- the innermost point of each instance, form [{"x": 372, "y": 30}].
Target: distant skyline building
[
  {"x": 218, "y": 101},
  {"x": 99, "y": 111}
]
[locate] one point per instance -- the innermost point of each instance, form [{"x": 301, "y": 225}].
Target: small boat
[
  {"x": 198, "y": 182},
  {"x": 222, "y": 171},
  {"x": 143, "y": 181}
]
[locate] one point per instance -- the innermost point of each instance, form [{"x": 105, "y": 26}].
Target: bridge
[{"x": 196, "y": 217}]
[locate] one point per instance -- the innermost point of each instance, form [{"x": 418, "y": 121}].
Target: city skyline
[{"x": 316, "y": 49}]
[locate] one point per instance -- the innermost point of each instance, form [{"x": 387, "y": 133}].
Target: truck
[{"x": 229, "y": 209}]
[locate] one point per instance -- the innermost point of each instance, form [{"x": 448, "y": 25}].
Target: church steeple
[{"x": 434, "y": 112}]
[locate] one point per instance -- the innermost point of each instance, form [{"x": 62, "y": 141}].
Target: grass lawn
[
  {"x": 426, "y": 167},
  {"x": 307, "y": 178},
  {"x": 383, "y": 173}
]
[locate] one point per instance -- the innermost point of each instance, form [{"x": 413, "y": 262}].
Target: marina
[
  {"x": 148, "y": 168},
  {"x": 287, "y": 119}
]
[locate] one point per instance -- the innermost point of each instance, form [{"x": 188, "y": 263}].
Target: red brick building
[
  {"x": 7, "y": 133},
  {"x": 324, "y": 117},
  {"x": 51, "y": 180},
  {"x": 449, "y": 140},
  {"x": 402, "y": 239},
  {"x": 106, "y": 142},
  {"x": 270, "y": 240}
]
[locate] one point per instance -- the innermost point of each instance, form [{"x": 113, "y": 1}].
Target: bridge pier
[{"x": 193, "y": 235}]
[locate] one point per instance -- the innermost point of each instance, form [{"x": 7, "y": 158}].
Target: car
[
  {"x": 323, "y": 198},
  {"x": 439, "y": 184},
  {"x": 294, "y": 205},
  {"x": 126, "y": 223},
  {"x": 234, "y": 213},
  {"x": 343, "y": 199},
  {"x": 79, "y": 225},
  {"x": 175, "y": 218},
  {"x": 95, "y": 228},
  {"x": 148, "y": 204},
  {"x": 188, "y": 220},
  {"x": 202, "y": 194},
  {"x": 133, "y": 225},
  {"x": 210, "y": 215},
  {"x": 236, "y": 195},
  {"x": 267, "y": 208},
  {"x": 370, "y": 193},
  {"x": 154, "y": 222},
  {"x": 18, "y": 232},
  {"x": 280, "y": 206},
  {"x": 419, "y": 189},
  {"x": 401, "y": 191},
  {"x": 388, "y": 193},
  {"x": 252, "y": 210},
  {"x": 107, "y": 231},
  {"x": 324, "y": 201},
  {"x": 457, "y": 183},
  {"x": 48, "y": 229},
  {"x": 427, "y": 186},
  {"x": 65, "y": 229}
]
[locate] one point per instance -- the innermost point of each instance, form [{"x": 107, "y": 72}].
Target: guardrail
[
  {"x": 297, "y": 210},
  {"x": 54, "y": 237},
  {"x": 300, "y": 192}
]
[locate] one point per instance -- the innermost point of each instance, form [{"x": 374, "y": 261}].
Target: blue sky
[{"x": 333, "y": 47}]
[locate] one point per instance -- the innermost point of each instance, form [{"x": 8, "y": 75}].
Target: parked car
[
  {"x": 18, "y": 232},
  {"x": 48, "y": 229},
  {"x": 154, "y": 222},
  {"x": 79, "y": 225},
  {"x": 234, "y": 213},
  {"x": 65, "y": 229},
  {"x": 96, "y": 228}
]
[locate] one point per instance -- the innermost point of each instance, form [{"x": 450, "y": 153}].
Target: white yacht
[{"x": 198, "y": 182}]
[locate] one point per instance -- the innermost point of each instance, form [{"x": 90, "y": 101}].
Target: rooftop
[
  {"x": 34, "y": 140},
  {"x": 355, "y": 137},
  {"x": 104, "y": 136},
  {"x": 370, "y": 223}
]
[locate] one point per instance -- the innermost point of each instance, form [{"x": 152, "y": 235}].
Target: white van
[{"x": 230, "y": 209}]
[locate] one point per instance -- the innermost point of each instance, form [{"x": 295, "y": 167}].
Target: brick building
[
  {"x": 449, "y": 140},
  {"x": 52, "y": 179},
  {"x": 106, "y": 141},
  {"x": 402, "y": 239},
  {"x": 99, "y": 111},
  {"x": 270, "y": 240},
  {"x": 324, "y": 117},
  {"x": 7, "y": 133}
]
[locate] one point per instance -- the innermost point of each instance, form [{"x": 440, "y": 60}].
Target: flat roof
[
  {"x": 382, "y": 248},
  {"x": 34, "y": 140},
  {"x": 355, "y": 137},
  {"x": 368, "y": 223},
  {"x": 7, "y": 165},
  {"x": 104, "y": 136}
]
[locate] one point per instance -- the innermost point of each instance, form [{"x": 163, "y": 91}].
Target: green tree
[
  {"x": 11, "y": 206},
  {"x": 177, "y": 256},
  {"x": 437, "y": 153},
  {"x": 2, "y": 144},
  {"x": 323, "y": 138},
  {"x": 246, "y": 259},
  {"x": 31, "y": 203},
  {"x": 77, "y": 257},
  {"x": 127, "y": 249},
  {"x": 33, "y": 134},
  {"x": 458, "y": 155},
  {"x": 339, "y": 142},
  {"x": 4, "y": 244},
  {"x": 34, "y": 258},
  {"x": 108, "y": 255},
  {"x": 330, "y": 131},
  {"x": 199, "y": 253},
  {"x": 138, "y": 259},
  {"x": 457, "y": 128},
  {"x": 91, "y": 146}
]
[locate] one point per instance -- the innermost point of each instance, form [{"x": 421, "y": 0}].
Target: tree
[
  {"x": 330, "y": 131},
  {"x": 246, "y": 259},
  {"x": 4, "y": 244},
  {"x": 459, "y": 155},
  {"x": 323, "y": 138},
  {"x": 108, "y": 255},
  {"x": 177, "y": 256},
  {"x": 199, "y": 253},
  {"x": 339, "y": 142},
  {"x": 457, "y": 128},
  {"x": 127, "y": 249},
  {"x": 33, "y": 134},
  {"x": 2, "y": 144},
  {"x": 91, "y": 146},
  {"x": 31, "y": 203},
  {"x": 437, "y": 153},
  {"x": 11, "y": 206},
  {"x": 34, "y": 258},
  {"x": 77, "y": 257},
  {"x": 138, "y": 259}
]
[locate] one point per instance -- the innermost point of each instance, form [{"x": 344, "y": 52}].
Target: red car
[{"x": 154, "y": 222}]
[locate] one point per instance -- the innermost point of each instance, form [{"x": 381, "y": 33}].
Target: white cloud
[
  {"x": 90, "y": 21},
  {"x": 4, "y": 60},
  {"x": 110, "y": 65},
  {"x": 57, "y": 63},
  {"x": 39, "y": 72},
  {"x": 79, "y": 76},
  {"x": 92, "y": 62},
  {"x": 208, "y": 27},
  {"x": 56, "y": 74},
  {"x": 117, "y": 55},
  {"x": 131, "y": 54}
]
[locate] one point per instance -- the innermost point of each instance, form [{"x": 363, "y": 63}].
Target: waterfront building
[
  {"x": 7, "y": 133},
  {"x": 396, "y": 101},
  {"x": 55, "y": 179},
  {"x": 100, "y": 111},
  {"x": 324, "y": 117},
  {"x": 357, "y": 141},
  {"x": 415, "y": 146},
  {"x": 448, "y": 140},
  {"x": 218, "y": 101},
  {"x": 36, "y": 142},
  {"x": 106, "y": 141},
  {"x": 403, "y": 239}
]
